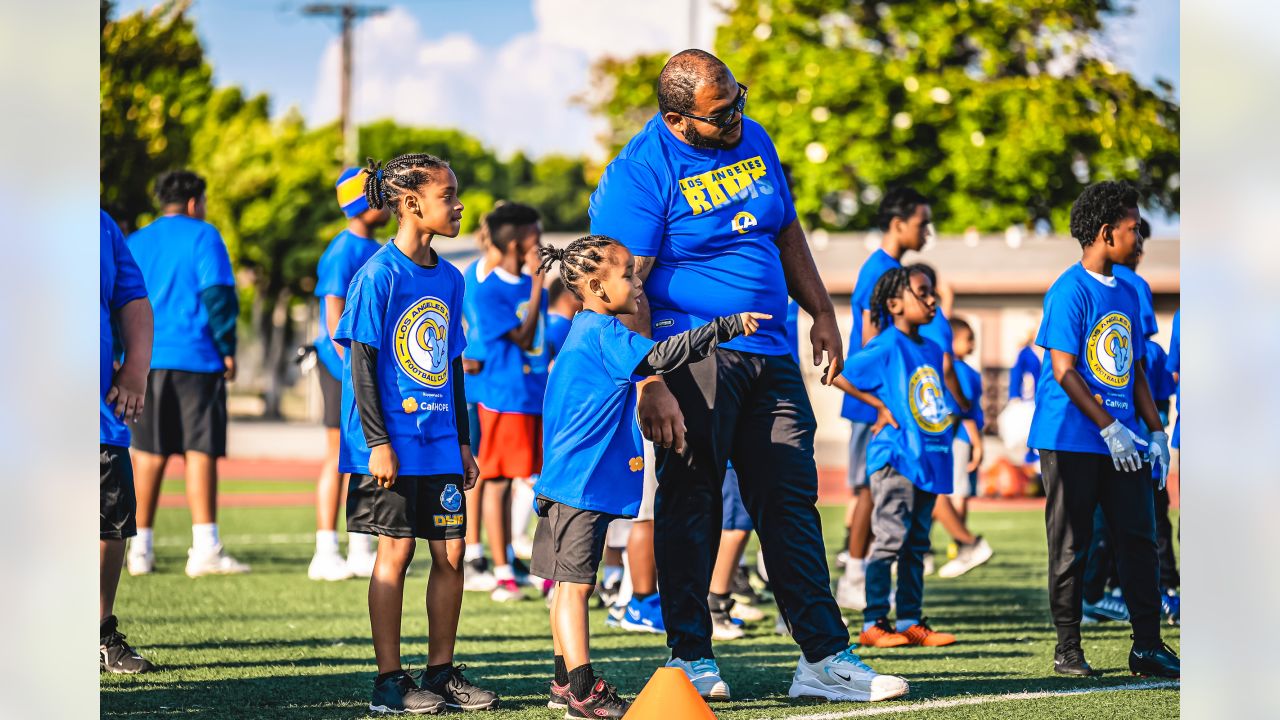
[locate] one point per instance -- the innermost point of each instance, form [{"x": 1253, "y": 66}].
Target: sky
[{"x": 507, "y": 70}]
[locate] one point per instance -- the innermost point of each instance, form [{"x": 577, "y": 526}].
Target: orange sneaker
[
  {"x": 923, "y": 635},
  {"x": 882, "y": 635}
]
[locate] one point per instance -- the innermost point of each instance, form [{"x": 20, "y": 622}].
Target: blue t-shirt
[
  {"x": 119, "y": 283},
  {"x": 876, "y": 265},
  {"x": 409, "y": 313},
  {"x": 557, "y": 330},
  {"x": 907, "y": 377},
  {"x": 1174, "y": 365},
  {"x": 1096, "y": 323},
  {"x": 711, "y": 219},
  {"x": 1028, "y": 363},
  {"x": 514, "y": 379},
  {"x": 793, "y": 330},
  {"x": 346, "y": 253},
  {"x": 471, "y": 323},
  {"x": 592, "y": 453},
  {"x": 971, "y": 384},
  {"x": 180, "y": 257},
  {"x": 1146, "y": 300}
]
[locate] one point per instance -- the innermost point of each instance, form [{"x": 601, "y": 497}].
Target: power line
[{"x": 347, "y": 14}]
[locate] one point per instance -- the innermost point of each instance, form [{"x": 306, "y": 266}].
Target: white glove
[
  {"x": 1123, "y": 445},
  {"x": 1160, "y": 455}
]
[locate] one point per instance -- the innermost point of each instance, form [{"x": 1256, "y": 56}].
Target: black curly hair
[
  {"x": 177, "y": 187},
  {"x": 891, "y": 285},
  {"x": 1103, "y": 203},
  {"x": 384, "y": 183},
  {"x": 508, "y": 215},
  {"x": 680, "y": 77},
  {"x": 580, "y": 260},
  {"x": 900, "y": 202}
]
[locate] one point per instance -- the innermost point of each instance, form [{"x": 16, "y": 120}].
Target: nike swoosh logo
[{"x": 842, "y": 677}]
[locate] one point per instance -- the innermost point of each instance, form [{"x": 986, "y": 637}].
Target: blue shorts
[{"x": 735, "y": 515}]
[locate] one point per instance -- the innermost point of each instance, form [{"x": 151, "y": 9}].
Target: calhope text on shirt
[{"x": 719, "y": 187}]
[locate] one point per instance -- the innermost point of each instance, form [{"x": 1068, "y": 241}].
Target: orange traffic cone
[{"x": 669, "y": 696}]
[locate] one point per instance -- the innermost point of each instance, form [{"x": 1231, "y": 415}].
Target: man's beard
[{"x": 697, "y": 140}]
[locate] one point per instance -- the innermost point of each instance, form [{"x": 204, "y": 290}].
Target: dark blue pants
[{"x": 901, "y": 520}]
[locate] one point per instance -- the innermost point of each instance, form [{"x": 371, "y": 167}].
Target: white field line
[
  {"x": 981, "y": 700},
  {"x": 183, "y": 539}
]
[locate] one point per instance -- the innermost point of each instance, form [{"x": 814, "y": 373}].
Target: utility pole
[{"x": 347, "y": 14}]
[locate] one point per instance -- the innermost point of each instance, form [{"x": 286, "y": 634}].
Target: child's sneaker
[
  {"x": 558, "y": 699},
  {"x": 399, "y": 693},
  {"x": 882, "y": 635},
  {"x": 924, "y": 636},
  {"x": 603, "y": 702},
  {"x": 458, "y": 692},
  {"x": 506, "y": 591},
  {"x": 213, "y": 561},
  {"x": 613, "y": 616},
  {"x": 329, "y": 565},
  {"x": 361, "y": 561},
  {"x": 476, "y": 576},
  {"x": 1171, "y": 607},
  {"x": 851, "y": 589},
  {"x": 928, "y": 563},
  {"x": 643, "y": 616},
  {"x": 115, "y": 655},
  {"x": 1110, "y": 607},
  {"x": 724, "y": 628},
  {"x": 967, "y": 558},
  {"x": 140, "y": 561}
]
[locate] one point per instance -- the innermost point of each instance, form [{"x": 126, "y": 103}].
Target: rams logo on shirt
[
  {"x": 1109, "y": 350},
  {"x": 450, "y": 498},
  {"x": 422, "y": 342},
  {"x": 724, "y": 185},
  {"x": 743, "y": 221},
  {"x": 928, "y": 406}
]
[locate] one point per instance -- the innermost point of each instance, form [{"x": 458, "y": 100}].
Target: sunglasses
[{"x": 728, "y": 115}]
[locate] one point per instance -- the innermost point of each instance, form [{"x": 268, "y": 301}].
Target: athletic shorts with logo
[
  {"x": 431, "y": 507},
  {"x": 569, "y": 542},
  {"x": 117, "y": 504},
  {"x": 184, "y": 411}
]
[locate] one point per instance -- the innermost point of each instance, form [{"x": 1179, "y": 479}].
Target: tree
[
  {"x": 999, "y": 110},
  {"x": 154, "y": 84}
]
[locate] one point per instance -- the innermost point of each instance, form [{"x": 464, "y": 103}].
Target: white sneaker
[
  {"x": 780, "y": 626},
  {"x": 506, "y": 591},
  {"x": 142, "y": 562},
  {"x": 851, "y": 590},
  {"x": 214, "y": 561},
  {"x": 705, "y": 676},
  {"x": 479, "y": 581},
  {"x": 842, "y": 559},
  {"x": 329, "y": 565},
  {"x": 928, "y": 563},
  {"x": 844, "y": 676},
  {"x": 522, "y": 547},
  {"x": 746, "y": 613},
  {"x": 360, "y": 562},
  {"x": 967, "y": 558},
  {"x": 723, "y": 628}
]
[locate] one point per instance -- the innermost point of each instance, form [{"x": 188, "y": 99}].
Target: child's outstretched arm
[
  {"x": 692, "y": 345},
  {"x": 383, "y": 463},
  {"x": 883, "y": 415}
]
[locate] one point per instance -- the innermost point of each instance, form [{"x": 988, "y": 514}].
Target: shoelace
[
  {"x": 848, "y": 657},
  {"x": 706, "y": 666},
  {"x": 1072, "y": 653},
  {"x": 116, "y": 639},
  {"x": 924, "y": 624},
  {"x": 608, "y": 692}
]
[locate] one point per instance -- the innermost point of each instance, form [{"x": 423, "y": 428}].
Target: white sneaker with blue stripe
[
  {"x": 705, "y": 676},
  {"x": 844, "y": 677}
]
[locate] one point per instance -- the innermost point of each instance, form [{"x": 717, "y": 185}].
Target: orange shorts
[{"x": 510, "y": 445}]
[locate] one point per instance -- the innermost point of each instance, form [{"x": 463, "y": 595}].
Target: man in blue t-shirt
[
  {"x": 193, "y": 291},
  {"x": 1090, "y": 402},
  {"x": 346, "y": 253},
  {"x": 122, "y": 300},
  {"x": 700, "y": 198}
]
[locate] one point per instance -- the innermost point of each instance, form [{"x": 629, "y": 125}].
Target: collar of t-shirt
[
  {"x": 1108, "y": 280},
  {"x": 504, "y": 276}
]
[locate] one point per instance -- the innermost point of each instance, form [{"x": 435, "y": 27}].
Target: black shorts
[
  {"x": 431, "y": 507},
  {"x": 184, "y": 411},
  {"x": 117, "y": 505},
  {"x": 331, "y": 392},
  {"x": 568, "y": 544}
]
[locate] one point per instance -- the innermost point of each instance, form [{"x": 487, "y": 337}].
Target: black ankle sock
[
  {"x": 384, "y": 676},
  {"x": 581, "y": 679},
  {"x": 562, "y": 672},
  {"x": 435, "y": 672},
  {"x": 718, "y": 602}
]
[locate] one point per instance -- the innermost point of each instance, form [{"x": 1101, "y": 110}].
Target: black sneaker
[
  {"x": 603, "y": 702},
  {"x": 399, "y": 693},
  {"x": 1159, "y": 661},
  {"x": 115, "y": 655},
  {"x": 457, "y": 692},
  {"x": 1068, "y": 659},
  {"x": 740, "y": 587},
  {"x": 559, "y": 697}
]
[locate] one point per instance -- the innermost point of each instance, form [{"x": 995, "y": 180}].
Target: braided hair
[
  {"x": 384, "y": 184},
  {"x": 580, "y": 260},
  {"x": 889, "y": 286}
]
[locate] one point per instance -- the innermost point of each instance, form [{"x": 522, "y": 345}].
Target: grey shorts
[
  {"x": 569, "y": 542},
  {"x": 859, "y": 437}
]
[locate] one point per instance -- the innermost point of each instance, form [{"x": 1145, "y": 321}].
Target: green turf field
[{"x": 274, "y": 644}]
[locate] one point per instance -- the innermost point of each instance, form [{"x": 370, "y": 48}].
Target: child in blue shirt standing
[
  {"x": 594, "y": 468},
  {"x": 1090, "y": 399},
  {"x": 405, "y": 437},
  {"x": 899, "y": 374}
]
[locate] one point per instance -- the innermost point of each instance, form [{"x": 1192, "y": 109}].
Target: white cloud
[{"x": 517, "y": 97}]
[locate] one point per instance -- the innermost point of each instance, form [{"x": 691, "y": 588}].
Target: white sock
[
  {"x": 854, "y": 570},
  {"x": 522, "y": 496},
  {"x": 625, "y": 590},
  {"x": 612, "y": 574},
  {"x": 204, "y": 536},
  {"x": 473, "y": 552},
  {"x": 359, "y": 543},
  {"x": 142, "y": 541},
  {"x": 504, "y": 572},
  {"x": 326, "y": 541}
]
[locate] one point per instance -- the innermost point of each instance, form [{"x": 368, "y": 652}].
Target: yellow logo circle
[
  {"x": 422, "y": 342},
  {"x": 928, "y": 406},
  {"x": 1109, "y": 350},
  {"x": 743, "y": 221}
]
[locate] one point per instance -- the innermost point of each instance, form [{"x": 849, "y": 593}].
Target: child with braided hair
[
  {"x": 593, "y": 467},
  {"x": 405, "y": 437}
]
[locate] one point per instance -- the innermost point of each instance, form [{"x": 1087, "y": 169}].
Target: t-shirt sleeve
[
  {"x": 868, "y": 276},
  {"x": 365, "y": 313},
  {"x": 457, "y": 335},
  {"x": 496, "y": 309},
  {"x": 1062, "y": 327},
  {"x": 213, "y": 264},
  {"x": 129, "y": 285},
  {"x": 334, "y": 273},
  {"x": 973, "y": 389},
  {"x": 864, "y": 370},
  {"x": 623, "y": 351},
  {"x": 627, "y": 206}
]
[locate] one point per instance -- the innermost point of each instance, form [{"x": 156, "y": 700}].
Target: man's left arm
[{"x": 805, "y": 285}]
